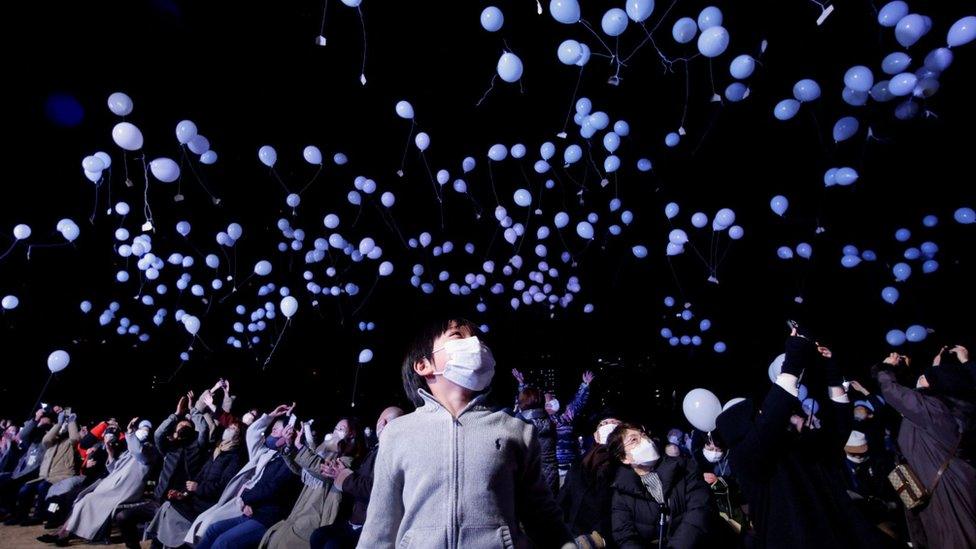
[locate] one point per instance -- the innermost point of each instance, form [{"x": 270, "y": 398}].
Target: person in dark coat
[
  {"x": 31, "y": 446},
  {"x": 586, "y": 496},
  {"x": 357, "y": 484},
  {"x": 532, "y": 409},
  {"x": 658, "y": 500},
  {"x": 929, "y": 438},
  {"x": 790, "y": 474}
]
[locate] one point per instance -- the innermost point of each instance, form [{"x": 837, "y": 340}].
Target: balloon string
[
  {"x": 572, "y": 102},
  {"x": 684, "y": 114},
  {"x": 193, "y": 170},
  {"x": 649, "y": 34},
  {"x": 325, "y": 9},
  {"x": 51, "y": 245},
  {"x": 437, "y": 194},
  {"x": 41, "y": 396},
  {"x": 274, "y": 172},
  {"x": 362, "y": 21},
  {"x": 275, "y": 347},
  {"x": 484, "y": 96},
  {"x": 91, "y": 218},
  {"x": 365, "y": 299},
  {"x": 355, "y": 385},
  {"x": 10, "y": 249},
  {"x": 403, "y": 161},
  {"x": 491, "y": 178},
  {"x": 314, "y": 177},
  {"x": 146, "y": 210},
  {"x": 589, "y": 28}
]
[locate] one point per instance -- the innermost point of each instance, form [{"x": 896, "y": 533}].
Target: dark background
[{"x": 249, "y": 74}]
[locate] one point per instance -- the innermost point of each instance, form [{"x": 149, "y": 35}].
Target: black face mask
[
  {"x": 185, "y": 435},
  {"x": 39, "y": 433}
]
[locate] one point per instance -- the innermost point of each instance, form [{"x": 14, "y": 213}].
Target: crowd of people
[{"x": 883, "y": 462}]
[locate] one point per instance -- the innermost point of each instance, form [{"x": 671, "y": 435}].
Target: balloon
[
  {"x": 339, "y": 159},
  {"x": 584, "y": 230},
  {"x": 92, "y": 164},
  {"x": 701, "y": 407},
  {"x": 845, "y": 176},
  {"x": 901, "y": 271},
  {"x": 22, "y": 231},
  {"x": 198, "y": 144},
  {"x": 684, "y": 30},
  {"x": 208, "y": 157},
  {"x": 779, "y": 204},
  {"x": 910, "y": 29},
  {"x": 639, "y": 10},
  {"x": 895, "y": 63},
  {"x": 105, "y": 158},
  {"x": 58, "y": 360},
  {"x": 498, "y": 152},
  {"x": 191, "y": 323},
  {"x": 724, "y": 217},
  {"x": 902, "y": 235},
  {"x": 786, "y": 109},
  {"x": 806, "y": 90},
  {"x": 709, "y": 17},
  {"x": 672, "y": 139},
  {"x": 584, "y": 56},
  {"x": 509, "y": 67},
  {"x": 127, "y": 136},
  {"x": 262, "y": 268},
  {"x": 699, "y": 220},
  {"x": 930, "y": 266},
  {"x": 891, "y": 13},
  {"x": 312, "y": 155},
  {"x": 671, "y": 210},
  {"x": 165, "y": 170},
  {"x": 964, "y": 216},
  {"x": 784, "y": 252},
  {"x": 937, "y": 60},
  {"x": 845, "y": 128},
  {"x": 902, "y": 84},
  {"x": 804, "y": 250},
  {"x": 713, "y": 41},
  {"x": 365, "y": 356},
  {"x": 572, "y": 154},
  {"x": 916, "y": 333},
  {"x": 859, "y": 78},
  {"x": 268, "y": 155},
  {"x": 560, "y": 220},
  {"x": 644, "y": 165},
  {"x": 491, "y": 20},
  {"x": 120, "y": 104},
  {"x": 850, "y": 261},
  {"x": 719, "y": 347},
  {"x": 354, "y": 198},
  {"x": 742, "y": 67},
  {"x": 566, "y": 12},
  {"x": 10, "y": 302},
  {"x": 611, "y": 141},
  {"x": 854, "y": 98},
  {"x": 523, "y": 198},
  {"x": 422, "y": 140},
  {"x": 386, "y": 268},
  {"x": 895, "y": 338},
  {"x": 736, "y": 232},
  {"x": 185, "y": 131},
  {"x": 614, "y": 22},
  {"x": 289, "y": 306},
  {"x": 611, "y": 164}
]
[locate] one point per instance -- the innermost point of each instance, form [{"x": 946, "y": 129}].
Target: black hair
[
  {"x": 422, "y": 347},
  {"x": 615, "y": 441}
]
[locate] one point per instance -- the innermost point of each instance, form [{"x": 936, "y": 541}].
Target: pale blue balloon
[
  {"x": 560, "y": 220},
  {"x": 930, "y": 221},
  {"x": 719, "y": 347},
  {"x": 672, "y": 139},
  {"x": 845, "y": 128},
  {"x": 890, "y": 294},
  {"x": 736, "y": 232},
  {"x": 902, "y": 84},
  {"x": 845, "y": 176},
  {"x": 354, "y": 198},
  {"x": 611, "y": 164},
  {"x": 704, "y": 325},
  {"x": 736, "y": 91},
  {"x": 804, "y": 250},
  {"x": 509, "y": 67},
  {"x": 784, "y": 252},
  {"x": 806, "y": 90},
  {"x": 850, "y": 261},
  {"x": 621, "y": 128},
  {"x": 639, "y": 10},
  {"x": 892, "y": 12},
  {"x": 709, "y": 17},
  {"x": 930, "y": 266},
  {"x": 671, "y": 210},
  {"x": 901, "y": 271},
  {"x": 713, "y": 41},
  {"x": 699, "y": 220},
  {"x": 895, "y": 62},
  {"x": 566, "y": 12},
  {"x": 786, "y": 109},
  {"x": 859, "y": 78},
  {"x": 523, "y": 198},
  {"x": 626, "y": 217},
  {"x": 779, "y": 204},
  {"x": 684, "y": 30},
  {"x": 855, "y": 98},
  {"x": 686, "y": 315},
  {"x": 541, "y": 166},
  {"x": 584, "y": 106},
  {"x": 422, "y": 140},
  {"x": 498, "y": 152},
  {"x": 585, "y": 230},
  {"x": 742, "y": 67},
  {"x": 644, "y": 165},
  {"x": 467, "y": 164},
  {"x": 938, "y": 59},
  {"x": 640, "y": 252},
  {"x": 547, "y": 150},
  {"x": 340, "y": 159},
  {"x": 880, "y": 93},
  {"x": 518, "y": 150},
  {"x": 868, "y": 255},
  {"x": 611, "y": 141},
  {"x": 910, "y": 29},
  {"x": 916, "y": 333},
  {"x": 895, "y": 338},
  {"x": 599, "y": 120},
  {"x": 902, "y": 235},
  {"x": 572, "y": 154},
  {"x": 965, "y": 216},
  {"x": 492, "y": 19},
  {"x": 614, "y": 22},
  {"x": 666, "y": 333},
  {"x": 569, "y": 52},
  {"x": 674, "y": 341},
  {"x": 724, "y": 217}
]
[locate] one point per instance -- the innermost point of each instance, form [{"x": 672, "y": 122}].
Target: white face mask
[
  {"x": 248, "y": 418},
  {"x": 228, "y": 435},
  {"x": 553, "y": 406},
  {"x": 603, "y": 432},
  {"x": 644, "y": 453},
  {"x": 142, "y": 435},
  {"x": 856, "y": 459},
  {"x": 713, "y": 456},
  {"x": 469, "y": 363}
]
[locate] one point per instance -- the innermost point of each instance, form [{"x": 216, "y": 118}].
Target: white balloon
[
  {"x": 365, "y": 356},
  {"x": 268, "y": 156},
  {"x": 701, "y": 407},
  {"x": 185, "y": 131},
  {"x": 57, "y": 361},
  {"x": 198, "y": 144},
  {"x": 165, "y": 170},
  {"x": 9, "y": 302},
  {"x": 105, "y": 158},
  {"x": 22, "y": 231},
  {"x": 127, "y": 136},
  {"x": 776, "y": 367},
  {"x": 312, "y": 155},
  {"x": 120, "y": 104},
  {"x": 289, "y": 306}
]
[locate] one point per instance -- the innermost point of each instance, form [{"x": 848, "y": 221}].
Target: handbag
[{"x": 909, "y": 487}]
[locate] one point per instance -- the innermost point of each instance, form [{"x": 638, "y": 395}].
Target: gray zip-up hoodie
[{"x": 446, "y": 483}]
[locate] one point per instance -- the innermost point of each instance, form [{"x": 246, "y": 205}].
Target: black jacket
[
  {"x": 358, "y": 485},
  {"x": 689, "y": 509},
  {"x": 273, "y": 496},
  {"x": 585, "y": 497},
  {"x": 211, "y": 481}
]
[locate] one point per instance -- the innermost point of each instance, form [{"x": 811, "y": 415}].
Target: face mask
[
  {"x": 713, "y": 456},
  {"x": 228, "y": 435},
  {"x": 469, "y": 363},
  {"x": 644, "y": 453},
  {"x": 857, "y": 459},
  {"x": 860, "y": 417},
  {"x": 271, "y": 442},
  {"x": 142, "y": 435},
  {"x": 248, "y": 418},
  {"x": 368, "y": 432},
  {"x": 553, "y": 406},
  {"x": 672, "y": 451},
  {"x": 603, "y": 432}
]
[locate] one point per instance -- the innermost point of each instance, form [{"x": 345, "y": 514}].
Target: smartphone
[{"x": 291, "y": 420}]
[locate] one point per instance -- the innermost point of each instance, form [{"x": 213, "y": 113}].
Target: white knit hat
[{"x": 857, "y": 443}]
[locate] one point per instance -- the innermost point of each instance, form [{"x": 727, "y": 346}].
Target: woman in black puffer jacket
[{"x": 532, "y": 409}]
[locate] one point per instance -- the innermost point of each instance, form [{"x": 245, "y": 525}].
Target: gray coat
[
  {"x": 124, "y": 483},
  {"x": 441, "y": 482}
]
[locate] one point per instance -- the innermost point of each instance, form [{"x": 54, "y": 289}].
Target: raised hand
[{"x": 588, "y": 377}]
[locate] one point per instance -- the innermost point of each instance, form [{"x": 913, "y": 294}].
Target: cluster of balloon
[
  {"x": 683, "y": 322},
  {"x": 701, "y": 408},
  {"x": 722, "y": 221},
  {"x": 590, "y": 123},
  {"x": 913, "y": 334},
  {"x": 509, "y": 67}
]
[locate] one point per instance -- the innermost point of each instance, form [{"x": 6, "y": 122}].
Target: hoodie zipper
[{"x": 455, "y": 526}]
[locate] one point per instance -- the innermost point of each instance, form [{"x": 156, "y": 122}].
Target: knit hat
[
  {"x": 145, "y": 424},
  {"x": 857, "y": 443}
]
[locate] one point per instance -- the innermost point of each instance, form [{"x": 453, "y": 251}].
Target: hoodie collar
[{"x": 432, "y": 405}]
